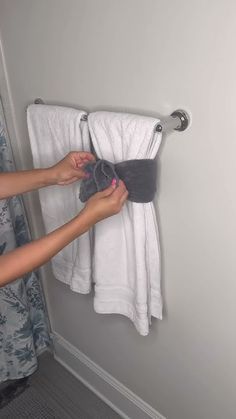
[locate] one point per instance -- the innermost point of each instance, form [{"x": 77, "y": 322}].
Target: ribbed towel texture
[
  {"x": 126, "y": 255},
  {"x": 126, "y": 265},
  {"x": 54, "y": 131}
]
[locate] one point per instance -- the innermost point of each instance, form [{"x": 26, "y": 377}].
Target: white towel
[
  {"x": 54, "y": 131},
  {"x": 126, "y": 265}
]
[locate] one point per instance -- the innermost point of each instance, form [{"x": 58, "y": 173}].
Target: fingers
[
  {"x": 120, "y": 195},
  {"x": 120, "y": 190},
  {"x": 106, "y": 192},
  {"x": 81, "y": 158},
  {"x": 83, "y": 155},
  {"x": 107, "y": 202},
  {"x": 86, "y": 156},
  {"x": 124, "y": 198},
  {"x": 78, "y": 173},
  {"x": 113, "y": 189}
]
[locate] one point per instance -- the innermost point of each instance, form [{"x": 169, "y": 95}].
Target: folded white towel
[
  {"x": 54, "y": 131},
  {"x": 126, "y": 265}
]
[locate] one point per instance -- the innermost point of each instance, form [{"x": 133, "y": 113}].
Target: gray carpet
[
  {"x": 54, "y": 393},
  {"x": 28, "y": 405}
]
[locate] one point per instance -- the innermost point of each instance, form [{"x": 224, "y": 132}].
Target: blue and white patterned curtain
[{"x": 23, "y": 321}]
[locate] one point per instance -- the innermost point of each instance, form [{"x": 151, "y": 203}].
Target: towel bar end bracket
[
  {"x": 179, "y": 121},
  {"x": 39, "y": 101}
]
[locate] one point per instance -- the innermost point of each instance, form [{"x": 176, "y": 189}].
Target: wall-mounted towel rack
[{"x": 179, "y": 120}]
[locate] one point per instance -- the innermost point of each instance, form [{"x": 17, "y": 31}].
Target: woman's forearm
[
  {"x": 30, "y": 256},
  {"x": 66, "y": 171},
  {"x": 25, "y": 259},
  {"x": 14, "y": 183}
]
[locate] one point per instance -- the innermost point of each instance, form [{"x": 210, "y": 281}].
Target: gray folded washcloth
[{"x": 139, "y": 177}]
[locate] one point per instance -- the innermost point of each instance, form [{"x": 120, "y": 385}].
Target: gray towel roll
[{"x": 139, "y": 177}]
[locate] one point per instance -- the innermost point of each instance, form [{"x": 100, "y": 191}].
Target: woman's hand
[
  {"x": 70, "y": 169},
  {"x": 106, "y": 203}
]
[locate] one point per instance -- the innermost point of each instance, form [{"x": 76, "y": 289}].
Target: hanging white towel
[
  {"x": 126, "y": 264},
  {"x": 54, "y": 131}
]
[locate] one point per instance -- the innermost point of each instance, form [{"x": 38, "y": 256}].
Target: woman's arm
[
  {"x": 30, "y": 256},
  {"x": 14, "y": 183},
  {"x": 66, "y": 171}
]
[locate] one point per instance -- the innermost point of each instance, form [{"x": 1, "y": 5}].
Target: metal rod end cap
[{"x": 184, "y": 119}]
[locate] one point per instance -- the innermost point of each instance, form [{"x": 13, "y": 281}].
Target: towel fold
[
  {"x": 139, "y": 176},
  {"x": 54, "y": 131},
  {"x": 99, "y": 177},
  {"x": 126, "y": 262}
]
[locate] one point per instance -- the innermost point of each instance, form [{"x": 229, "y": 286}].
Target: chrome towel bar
[{"x": 179, "y": 120}]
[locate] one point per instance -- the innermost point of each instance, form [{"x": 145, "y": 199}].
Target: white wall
[{"x": 150, "y": 56}]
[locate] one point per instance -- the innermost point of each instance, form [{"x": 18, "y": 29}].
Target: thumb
[{"x": 108, "y": 191}]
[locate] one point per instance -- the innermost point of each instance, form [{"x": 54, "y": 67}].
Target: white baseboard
[{"x": 127, "y": 404}]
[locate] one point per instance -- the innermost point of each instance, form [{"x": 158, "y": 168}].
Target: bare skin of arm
[
  {"x": 24, "y": 259},
  {"x": 66, "y": 171}
]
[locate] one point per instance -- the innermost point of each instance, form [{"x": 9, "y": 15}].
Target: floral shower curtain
[{"x": 23, "y": 321}]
